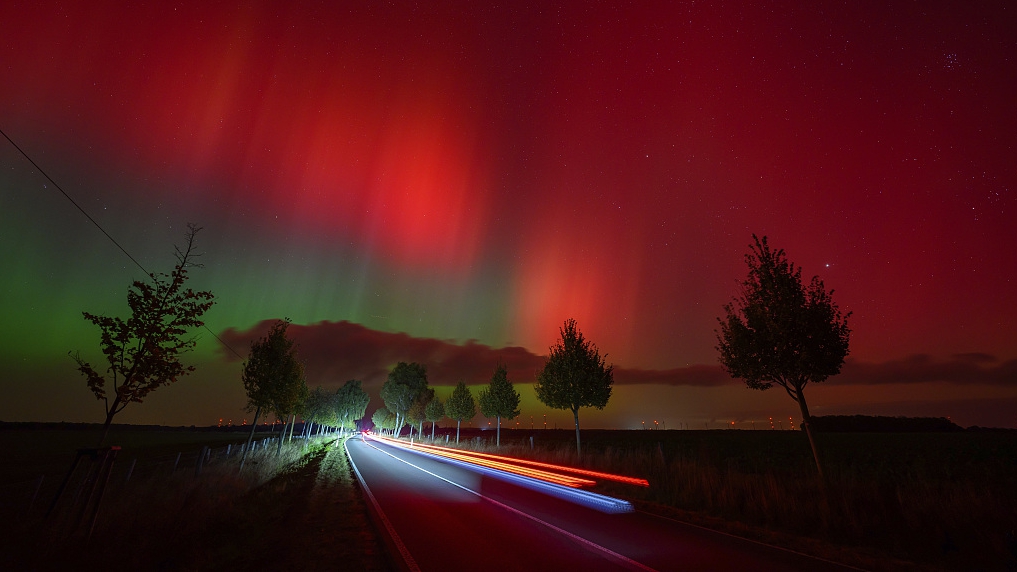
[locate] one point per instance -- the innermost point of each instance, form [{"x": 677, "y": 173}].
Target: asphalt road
[{"x": 446, "y": 517}]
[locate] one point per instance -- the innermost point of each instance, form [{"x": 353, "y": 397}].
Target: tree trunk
[
  {"x": 497, "y": 441},
  {"x": 282, "y": 437},
  {"x": 293, "y": 425},
  {"x": 432, "y": 430},
  {"x": 575, "y": 413},
  {"x": 250, "y": 438},
  {"x": 806, "y": 422},
  {"x": 109, "y": 420},
  {"x": 457, "y": 429},
  {"x": 420, "y": 430}
]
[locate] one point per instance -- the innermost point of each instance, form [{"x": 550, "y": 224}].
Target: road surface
[{"x": 446, "y": 517}]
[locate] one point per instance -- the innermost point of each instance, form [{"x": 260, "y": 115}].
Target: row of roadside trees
[
  {"x": 574, "y": 376},
  {"x": 778, "y": 331}
]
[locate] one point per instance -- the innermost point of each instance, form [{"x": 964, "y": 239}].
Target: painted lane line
[
  {"x": 411, "y": 563},
  {"x": 589, "y": 544}
]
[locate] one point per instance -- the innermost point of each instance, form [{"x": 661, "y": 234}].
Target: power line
[
  {"x": 102, "y": 230},
  {"x": 73, "y": 202}
]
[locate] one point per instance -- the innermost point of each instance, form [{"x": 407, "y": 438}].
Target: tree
[
  {"x": 460, "y": 405},
  {"x": 500, "y": 399},
  {"x": 144, "y": 351},
  {"x": 417, "y": 411},
  {"x": 319, "y": 408},
  {"x": 352, "y": 403},
  {"x": 434, "y": 411},
  {"x": 273, "y": 377},
  {"x": 574, "y": 375},
  {"x": 404, "y": 384},
  {"x": 383, "y": 418},
  {"x": 779, "y": 331}
]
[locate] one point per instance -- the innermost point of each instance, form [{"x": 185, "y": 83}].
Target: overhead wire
[{"x": 101, "y": 229}]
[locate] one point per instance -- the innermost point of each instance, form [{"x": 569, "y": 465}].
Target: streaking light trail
[
  {"x": 511, "y": 469},
  {"x": 477, "y": 457}
]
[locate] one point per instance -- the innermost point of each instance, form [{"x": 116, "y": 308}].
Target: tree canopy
[
  {"x": 434, "y": 411},
  {"x": 499, "y": 399},
  {"x": 574, "y": 375},
  {"x": 417, "y": 411},
  {"x": 351, "y": 404},
  {"x": 143, "y": 352},
  {"x": 273, "y": 377},
  {"x": 383, "y": 418},
  {"x": 780, "y": 331},
  {"x": 404, "y": 384},
  {"x": 460, "y": 405}
]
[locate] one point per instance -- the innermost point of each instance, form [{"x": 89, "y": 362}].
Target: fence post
[
  {"x": 38, "y": 485},
  {"x": 130, "y": 471},
  {"x": 201, "y": 461}
]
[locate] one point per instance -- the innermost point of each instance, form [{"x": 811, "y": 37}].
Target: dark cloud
[
  {"x": 921, "y": 368},
  {"x": 696, "y": 375},
  {"x": 337, "y": 351}
]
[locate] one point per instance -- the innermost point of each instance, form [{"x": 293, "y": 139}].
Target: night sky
[{"x": 449, "y": 184}]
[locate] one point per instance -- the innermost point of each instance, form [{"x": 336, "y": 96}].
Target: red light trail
[{"x": 551, "y": 473}]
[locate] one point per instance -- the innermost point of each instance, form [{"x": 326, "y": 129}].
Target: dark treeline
[{"x": 882, "y": 424}]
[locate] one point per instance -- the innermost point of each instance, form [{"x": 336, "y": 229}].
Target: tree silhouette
[
  {"x": 460, "y": 405},
  {"x": 499, "y": 399},
  {"x": 143, "y": 352},
  {"x": 273, "y": 377},
  {"x": 574, "y": 375},
  {"x": 779, "y": 331}
]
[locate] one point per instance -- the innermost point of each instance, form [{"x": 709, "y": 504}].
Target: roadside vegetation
[
  {"x": 300, "y": 507},
  {"x": 892, "y": 500}
]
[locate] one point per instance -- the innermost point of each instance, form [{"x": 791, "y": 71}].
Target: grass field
[{"x": 941, "y": 500}]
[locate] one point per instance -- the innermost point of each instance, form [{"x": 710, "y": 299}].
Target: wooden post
[
  {"x": 63, "y": 485},
  {"x": 201, "y": 461},
  {"x": 107, "y": 464},
  {"x": 38, "y": 485}
]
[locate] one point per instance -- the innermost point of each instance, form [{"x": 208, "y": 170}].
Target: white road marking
[{"x": 411, "y": 564}]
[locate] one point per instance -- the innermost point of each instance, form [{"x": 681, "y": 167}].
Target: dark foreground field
[
  {"x": 890, "y": 500},
  {"x": 299, "y": 510},
  {"x": 901, "y": 501}
]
